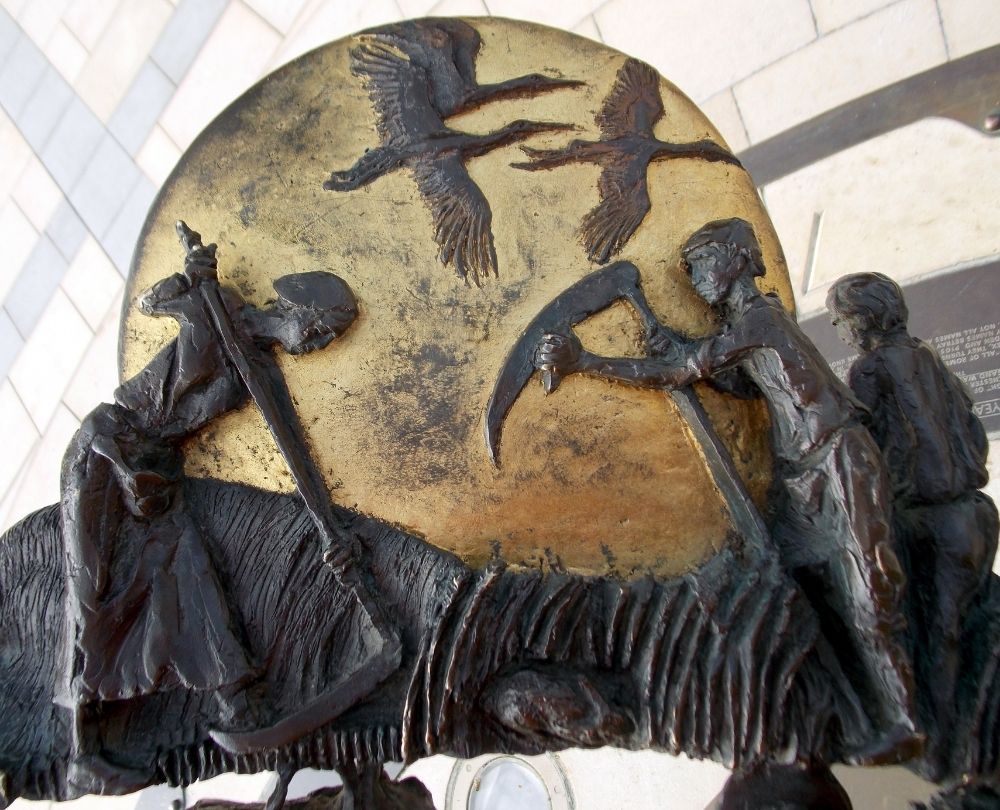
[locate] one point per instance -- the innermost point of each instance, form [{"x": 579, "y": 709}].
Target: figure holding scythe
[
  {"x": 831, "y": 527},
  {"x": 146, "y": 611}
]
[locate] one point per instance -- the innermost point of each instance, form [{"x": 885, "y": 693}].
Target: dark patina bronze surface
[{"x": 329, "y": 522}]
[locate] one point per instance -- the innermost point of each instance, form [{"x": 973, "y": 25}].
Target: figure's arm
[
  {"x": 863, "y": 380},
  {"x": 673, "y": 362},
  {"x": 197, "y": 366},
  {"x": 662, "y": 342},
  {"x": 177, "y": 296},
  {"x": 641, "y": 372},
  {"x": 563, "y": 354}
]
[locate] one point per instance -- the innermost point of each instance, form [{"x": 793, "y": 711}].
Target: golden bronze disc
[{"x": 603, "y": 477}]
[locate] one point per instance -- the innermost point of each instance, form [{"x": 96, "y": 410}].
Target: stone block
[
  {"x": 72, "y": 143},
  {"x": 49, "y": 359},
  {"x": 37, "y": 195},
  {"x": 704, "y": 48},
  {"x": 66, "y": 230},
  {"x": 459, "y": 8},
  {"x": 38, "y": 484},
  {"x": 587, "y": 27},
  {"x": 16, "y": 155},
  {"x": 20, "y": 433},
  {"x": 21, "y": 74},
  {"x": 557, "y": 13},
  {"x": 281, "y": 14},
  {"x": 328, "y": 22},
  {"x": 139, "y": 110},
  {"x": 66, "y": 53},
  {"x": 122, "y": 49},
  {"x": 119, "y": 241},
  {"x": 92, "y": 282},
  {"x": 96, "y": 377},
  {"x": 13, "y": 7},
  {"x": 183, "y": 36},
  {"x": 19, "y": 239},
  {"x": 834, "y": 14},
  {"x": 44, "y": 109},
  {"x": 908, "y": 203},
  {"x": 104, "y": 186},
  {"x": 31, "y": 291},
  {"x": 880, "y": 49},
  {"x": 232, "y": 59},
  {"x": 10, "y": 346},
  {"x": 87, "y": 19},
  {"x": 10, "y": 33},
  {"x": 39, "y": 18},
  {"x": 723, "y": 111},
  {"x": 970, "y": 25},
  {"x": 158, "y": 156}
]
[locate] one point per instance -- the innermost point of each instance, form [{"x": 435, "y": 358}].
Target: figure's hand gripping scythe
[
  {"x": 268, "y": 390},
  {"x": 588, "y": 296}
]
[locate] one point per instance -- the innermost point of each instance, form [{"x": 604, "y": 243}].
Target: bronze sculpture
[
  {"x": 327, "y": 634},
  {"x": 838, "y": 547},
  {"x": 530, "y": 685},
  {"x": 146, "y": 613},
  {"x": 419, "y": 73},
  {"x": 624, "y": 152},
  {"x": 935, "y": 453}
]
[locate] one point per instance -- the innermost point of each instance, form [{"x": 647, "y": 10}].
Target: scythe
[
  {"x": 269, "y": 392},
  {"x": 588, "y": 296}
]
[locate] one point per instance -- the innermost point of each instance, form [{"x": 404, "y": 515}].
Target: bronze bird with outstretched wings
[
  {"x": 626, "y": 148},
  {"x": 418, "y": 73}
]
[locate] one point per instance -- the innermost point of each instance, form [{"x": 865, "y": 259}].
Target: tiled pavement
[{"x": 98, "y": 99}]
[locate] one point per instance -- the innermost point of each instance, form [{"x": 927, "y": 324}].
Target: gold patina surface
[{"x": 605, "y": 477}]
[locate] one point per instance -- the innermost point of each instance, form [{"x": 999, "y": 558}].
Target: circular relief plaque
[{"x": 452, "y": 251}]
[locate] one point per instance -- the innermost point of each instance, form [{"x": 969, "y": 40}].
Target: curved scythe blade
[{"x": 588, "y": 296}]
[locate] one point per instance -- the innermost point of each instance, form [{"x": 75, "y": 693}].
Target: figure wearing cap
[
  {"x": 146, "y": 612},
  {"x": 831, "y": 516}
]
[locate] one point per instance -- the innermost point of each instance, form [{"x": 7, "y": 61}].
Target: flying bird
[
  {"x": 447, "y": 49},
  {"x": 418, "y": 73},
  {"x": 626, "y": 148}
]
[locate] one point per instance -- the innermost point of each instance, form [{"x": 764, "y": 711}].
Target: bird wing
[
  {"x": 467, "y": 43},
  {"x": 634, "y": 104},
  {"x": 445, "y": 49},
  {"x": 399, "y": 91},
  {"x": 462, "y": 216},
  {"x": 624, "y": 204}
]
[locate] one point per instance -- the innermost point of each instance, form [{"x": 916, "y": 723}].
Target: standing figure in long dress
[{"x": 146, "y": 610}]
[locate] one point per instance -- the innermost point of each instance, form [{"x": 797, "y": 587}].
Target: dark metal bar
[
  {"x": 966, "y": 90},
  {"x": 746, "y": 518}
]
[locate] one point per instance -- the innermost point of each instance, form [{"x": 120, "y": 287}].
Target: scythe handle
[
  {"x": 274, "y": 402},
  {"x": 272, "y": 397}
]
